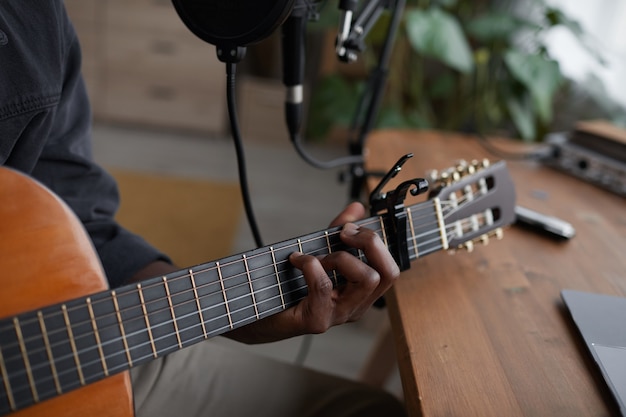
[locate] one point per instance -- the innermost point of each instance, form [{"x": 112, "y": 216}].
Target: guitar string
[
  {"x": 218, "y": 292},
  {"x": 191, "y": 301},
  {"x": 191, "y": 290},
  {"x": 123, "y": 366},
  {"x": 161, "y": 351},
  {"x": 207, "y": 295},
  {"x": 452, "y": 227},
  {"x": 169, "y": 322},
  {"x": 368, "y": 222},
  {"x": 187, "y": 341}
]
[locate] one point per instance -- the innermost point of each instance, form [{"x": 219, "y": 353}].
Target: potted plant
[{"x": 466, "y": 65}]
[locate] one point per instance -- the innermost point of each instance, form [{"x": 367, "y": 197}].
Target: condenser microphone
[
  {"x": 293, "y": 48},
  {"x": 232, "y": 24}
]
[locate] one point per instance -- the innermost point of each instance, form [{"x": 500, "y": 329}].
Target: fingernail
[{"x": 350, "y": 229}]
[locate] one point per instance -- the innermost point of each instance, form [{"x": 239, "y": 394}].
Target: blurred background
[{"x": 519, "y": 69}]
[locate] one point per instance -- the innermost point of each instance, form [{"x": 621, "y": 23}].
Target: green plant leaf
[
  {"x": 446, "y": 3},
  {"x": 540, "y": 75},
  {"x": 521, "y": 112},
  {"x": 497, "y": 26},
  {"x": 556, "y": 17},
  {"x": 437, "y": 34},
  {"x": 393, "y": 117},
  {"x": 442, "y": 86},
  {"x": 333, "y": 103}
]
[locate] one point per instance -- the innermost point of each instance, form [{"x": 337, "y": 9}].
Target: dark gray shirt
[{"x": 45, "y": 127}]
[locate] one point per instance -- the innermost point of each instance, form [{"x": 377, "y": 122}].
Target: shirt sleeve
[{"x": 66, "y": 166}]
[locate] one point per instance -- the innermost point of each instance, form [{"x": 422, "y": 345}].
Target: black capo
[{"x": 392, "y": 203}]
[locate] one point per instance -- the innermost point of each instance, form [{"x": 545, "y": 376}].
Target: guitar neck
[
  {"x": 48, "y": 352},
  {"x": 51, "y": 351}
]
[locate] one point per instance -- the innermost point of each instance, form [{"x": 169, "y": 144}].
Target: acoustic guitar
[{"x": 67, "y": 341}]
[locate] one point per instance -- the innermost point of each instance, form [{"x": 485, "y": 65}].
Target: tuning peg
[
  {"x": 482, "y": 239},
  {"x": 447, "y": 177},
  {"x": 432, "y": 175},
  {"x": 469, "y": 168}
]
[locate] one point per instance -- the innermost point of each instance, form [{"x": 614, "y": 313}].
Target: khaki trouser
[{"x": 212, "y": 380}]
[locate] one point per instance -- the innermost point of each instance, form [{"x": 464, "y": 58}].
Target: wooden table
[{"x": 486, "y": 333}]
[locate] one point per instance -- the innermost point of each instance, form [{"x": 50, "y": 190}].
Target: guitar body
[{"x": 45, "y": 258}]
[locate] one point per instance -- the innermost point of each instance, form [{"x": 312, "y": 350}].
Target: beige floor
[{"x": 290, "y": 198}]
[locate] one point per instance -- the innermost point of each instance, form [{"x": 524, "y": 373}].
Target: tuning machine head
[
  {"x": 484, "y": 239},
  {"x": 461, "y": 169},
  {"x": 464, "y": 168}
]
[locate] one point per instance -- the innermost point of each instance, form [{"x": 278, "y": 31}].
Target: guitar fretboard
[{"x": 51, "y": 351}]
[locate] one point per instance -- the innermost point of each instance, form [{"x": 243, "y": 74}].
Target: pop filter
[{"x": 233, "y": 23}]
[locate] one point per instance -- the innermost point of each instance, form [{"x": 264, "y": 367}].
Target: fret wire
[
  {"x": 409, "y": 213},
  {"x": 300, "y": 243},
  {"x": 169, "y": 301},
  {"x": 224, "y": 280},
  {"x": 122, "y": 366},
  {"x": 126, "y": 335},
  {"x": 96, "y": 333},
  {"x": 383, "y": 230},
  {"x": 73, "y": 344},
  {"x": 166, "y": 349},
  {"x": 29, "y": 371},
  {"x": 195, "y": 293},
  {"x": 300, "y": 246},
  {"x": 46, "y": 341},
  {"x": 268, "y": 311},
  {"x": 442, "y": 225},
  {"x": 121, "y": 326},
  {"x": 147, "y": 320},
  {"x": 242, "y": 284},
  {"x": 282, "y": 296},
  {"x": 365, "y": 222},
  {"x": 209, "y": 268},
  {"x": 280, "y": 289},
  {"x": 7, "y": 383},
  {"x": 221, "y": 279},
  {"x": 245, "y": 262},
  {"x": 231, "y": 325}
]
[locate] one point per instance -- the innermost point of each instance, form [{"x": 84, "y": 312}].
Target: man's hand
[{"x": 325, "y": 306}]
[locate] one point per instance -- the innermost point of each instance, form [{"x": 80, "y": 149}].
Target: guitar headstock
[{"x": 477, "y": 200}]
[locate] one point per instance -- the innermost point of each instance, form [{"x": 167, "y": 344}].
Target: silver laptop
[{"x": 601, "y": 320}]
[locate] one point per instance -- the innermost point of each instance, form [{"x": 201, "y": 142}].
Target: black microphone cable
[
  {"x": 231, "y": 70},
  {"x": 296, "y": 139},
  {"x": 293, "y": 47}
]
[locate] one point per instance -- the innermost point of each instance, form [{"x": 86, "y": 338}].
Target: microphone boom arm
[
  {"x": 350, "y": 40},
  {"x": 369, "y": 103}
]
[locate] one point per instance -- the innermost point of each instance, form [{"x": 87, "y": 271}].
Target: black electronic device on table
[{"x": 594, "y": 152}]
